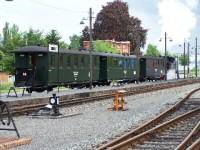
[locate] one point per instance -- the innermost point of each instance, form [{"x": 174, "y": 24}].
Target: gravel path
[{"x": 95, "y": 124}]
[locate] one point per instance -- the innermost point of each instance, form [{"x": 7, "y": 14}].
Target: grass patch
[{"x": 4, "y": 88}]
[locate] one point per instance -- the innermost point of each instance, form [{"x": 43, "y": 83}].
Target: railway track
[
  {"x": 166, "y": 131},
  {"x": 31, "y": 106}
]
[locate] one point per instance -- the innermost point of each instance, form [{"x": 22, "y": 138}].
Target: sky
[{"x": 179, "y": 18}]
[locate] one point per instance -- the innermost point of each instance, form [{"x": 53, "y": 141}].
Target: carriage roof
[{"x": 39, "y": 49}]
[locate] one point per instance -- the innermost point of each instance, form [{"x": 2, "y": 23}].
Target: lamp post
[
  {"x": 183, "y": 58},
  {"x": 91, "y": 45},
  {"x": 165, "y": 61},
  {"x": 165, "y": 56}
]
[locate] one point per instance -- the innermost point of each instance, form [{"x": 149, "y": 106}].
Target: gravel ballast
[{"x": 95, "y": 124}]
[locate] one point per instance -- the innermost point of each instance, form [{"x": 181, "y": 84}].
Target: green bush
[
  {"x": 102, "y": 46},
  {"x": 4, "y": 87}
]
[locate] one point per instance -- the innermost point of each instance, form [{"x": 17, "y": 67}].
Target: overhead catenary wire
[{"x": 57, "y": 8}]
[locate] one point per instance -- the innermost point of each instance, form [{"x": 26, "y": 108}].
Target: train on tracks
[{"x": 43, "y": 68}]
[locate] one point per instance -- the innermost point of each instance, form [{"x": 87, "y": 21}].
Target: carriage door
[
  {"x": 142, "y": 68},
  {"x": 40, "y": 70},
  {"x": 103, "y": 68},
  {"x": 31, "y": 69}
]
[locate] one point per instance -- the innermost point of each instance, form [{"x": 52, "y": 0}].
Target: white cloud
[
  {"x": 177, "y": 18},
  {"x": 192, "y": 4},
  {"x": 62, "y": 15}
]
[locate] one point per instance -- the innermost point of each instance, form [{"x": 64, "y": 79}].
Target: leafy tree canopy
[
  {"x": 102, "y": 46},
  {"x": 183, "y": 60},
  {"x": 34, "y": 37},
  {"x": 64, "y": 45},
  {"x": 152, "y": 51},
  {"x": 75, "y": 42},
  {"x": 12, "y": 38},
  {"x": 53, "y": 37},
  {"x": 114, "y": 22}
]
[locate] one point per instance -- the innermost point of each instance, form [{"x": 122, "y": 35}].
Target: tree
[
  {"x": 33, "y": 37},
  {"x": 53, "y": 37},
  {"x": 152, "y": 51},
  {"x": 85, "y": 34},
  {"x": 183, "y": 60},
  {"x": 12, "y": 38},
  {"x": 8, "y": 64},
  {"x": 75, "y": 42},
  {"x": 102, "y": 46},
  {"x": 114, "y": 22},
  {"x": 64, "y": 45},
  {"x": 6, "y": 34}
]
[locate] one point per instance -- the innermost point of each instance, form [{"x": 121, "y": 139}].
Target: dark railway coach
[
  {"x": 44, "y": 68},
  {"x": 152, "y": 68}
]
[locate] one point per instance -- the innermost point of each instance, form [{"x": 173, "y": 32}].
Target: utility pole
[
  {"x": 184, "y": 58},
  {"x": 177, "y": 68},
  {"x": 165, "y": 56},
  {"x": 196, "y": 57},
  {"x": 58, "y": 67},
  {"x": 91, "y": 45},
  {"x": 188, "y": 59}
]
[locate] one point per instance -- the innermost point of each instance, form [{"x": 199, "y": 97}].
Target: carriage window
[
  {"x": 129, "y": 63},
  {"x": 120, "y": 63},
  {"x": 75, "y": 61},
  {"x": 111, "y": 62},
  {"x": 115, "y": 62},
  {"x": 68, "y": 61},
  {"x": 82, "y": 61},
  {"x": 132, "y": 63},
  {"x": 29, "y": 60},
  {"x": 125, "y": 63},
  {"x": 61, "y": 60},
  {"x": 52, "y": 61},
  {"x": 95, "y": 61}
]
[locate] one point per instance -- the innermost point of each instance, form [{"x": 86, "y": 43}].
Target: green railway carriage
[
  {"x": 43, "y": 68},
  {"x": 30, "y": 64},
  {"x": 123, "y": 68}
]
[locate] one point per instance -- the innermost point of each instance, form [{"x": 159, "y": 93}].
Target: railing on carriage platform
[{"x": 6, "y": 118}]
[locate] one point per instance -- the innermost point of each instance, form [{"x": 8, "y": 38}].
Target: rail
[
  {"x": 158, "y": 129},
  {"x": 150, "y": 124},
  {"x": 90, "y": 97}
]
